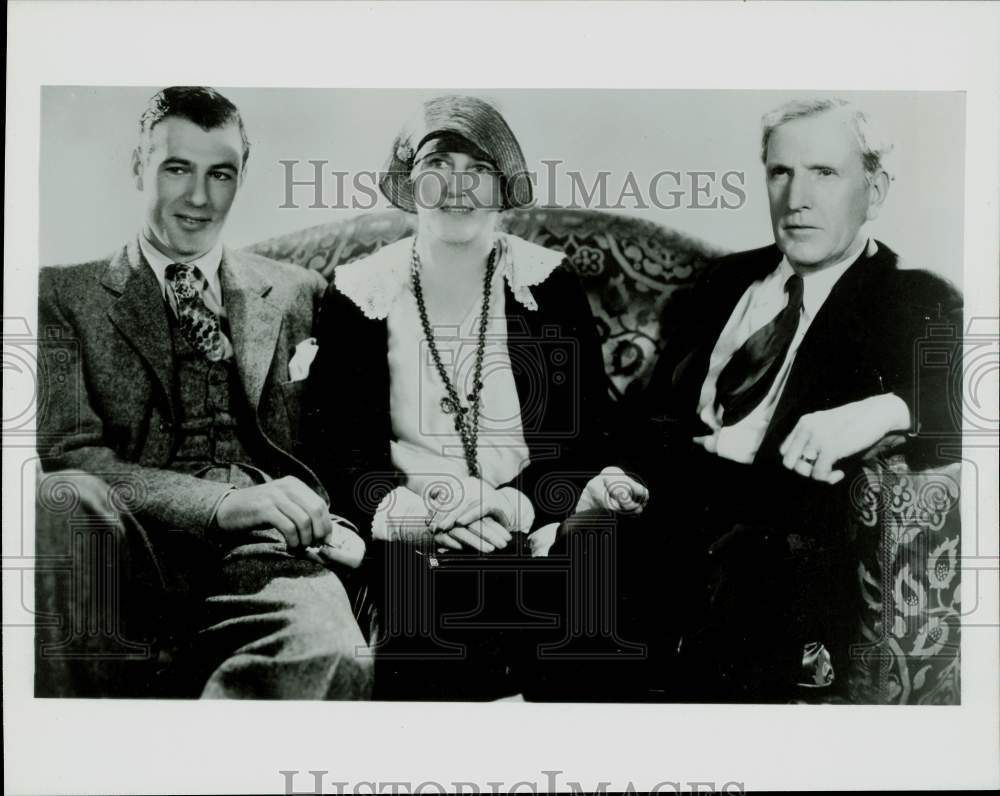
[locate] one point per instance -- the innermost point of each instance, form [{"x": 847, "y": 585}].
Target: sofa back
[{"x": 629, "y": 268}]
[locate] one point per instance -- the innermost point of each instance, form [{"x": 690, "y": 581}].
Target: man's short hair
[
  {"x": 875, "y": 147},
  {"x": 200, "y": 105}
]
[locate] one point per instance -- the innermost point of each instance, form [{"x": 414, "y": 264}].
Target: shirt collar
[
  {"x": 374, "y": 283},
  {"x": 208, "y": 263},
  {"x": 816, "y": 285}
]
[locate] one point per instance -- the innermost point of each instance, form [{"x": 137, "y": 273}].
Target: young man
[{"x": 169, "y": 408}]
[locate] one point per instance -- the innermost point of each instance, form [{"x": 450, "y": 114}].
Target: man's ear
[
  {"x": 878, "y": 189},
  {"x": 137, "y": 168}
]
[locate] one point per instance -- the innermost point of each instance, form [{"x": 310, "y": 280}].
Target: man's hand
[
  {"x": 614, "y": 491},
  {"x": 286, "y": 504},
  {"x": 821, "y": 439}
]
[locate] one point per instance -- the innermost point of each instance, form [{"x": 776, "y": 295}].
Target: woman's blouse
[{"x": 426, "y": 447}]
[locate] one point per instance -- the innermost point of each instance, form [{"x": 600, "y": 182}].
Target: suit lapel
[
  {"x": 254, "y": 322},
  {"x": 140, "y": 314},
  {"x": 726, "y": 290},
  {"x": 839, "y": 327},
  {"x": 526, "y": 363}
]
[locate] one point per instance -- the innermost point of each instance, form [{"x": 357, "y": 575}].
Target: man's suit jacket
[
  {"x": 882, "y": 329},
  {"x": 108, "y": 401}
]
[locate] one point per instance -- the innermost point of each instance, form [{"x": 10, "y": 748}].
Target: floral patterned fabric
[
  {"x": 908, "y": 533},
  {"x": 905, "y": 524},
  {"x": 630, "y": 269}
]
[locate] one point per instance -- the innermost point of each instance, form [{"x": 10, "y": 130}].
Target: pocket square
[{"x": 299, "y": 364}]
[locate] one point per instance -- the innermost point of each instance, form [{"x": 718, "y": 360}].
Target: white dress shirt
[
  {"x": 758, "y": 306},
  {"x": 208, "y": 263}
]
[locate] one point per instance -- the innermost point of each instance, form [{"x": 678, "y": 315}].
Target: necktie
[
  {"x": 751, "y": 371},
  {"x": 198, "y": 324}
]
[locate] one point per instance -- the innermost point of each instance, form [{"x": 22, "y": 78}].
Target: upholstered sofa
[{"x": 904, "y": 524}]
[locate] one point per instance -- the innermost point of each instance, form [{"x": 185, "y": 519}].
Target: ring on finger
[{"x": 809, "y": 457}]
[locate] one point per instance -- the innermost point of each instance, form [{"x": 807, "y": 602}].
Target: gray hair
[{"x": 875, "y": 147}]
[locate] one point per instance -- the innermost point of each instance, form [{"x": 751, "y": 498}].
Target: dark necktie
[
  {"x": 751, "y": 371},
  {"x": 198, "y": 324}
]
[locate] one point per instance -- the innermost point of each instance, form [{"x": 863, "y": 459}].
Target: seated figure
[
  {"x": 790, "y": 363},
  {"x": 168, "y": 418},
  {"x": 459, "y": 381}
]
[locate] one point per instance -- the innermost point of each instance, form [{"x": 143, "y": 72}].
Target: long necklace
[{"x": 466, "y": 417}]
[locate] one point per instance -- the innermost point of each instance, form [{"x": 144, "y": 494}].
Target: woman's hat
[{"x": 435, "y": 128}]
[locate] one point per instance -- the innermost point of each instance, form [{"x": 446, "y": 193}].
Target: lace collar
[{"x": 374, "y": 283}]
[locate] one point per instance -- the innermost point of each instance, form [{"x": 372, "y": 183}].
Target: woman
[{"x": 456, "y": 398}]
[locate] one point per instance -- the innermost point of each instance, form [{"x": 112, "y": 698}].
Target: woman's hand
[
  {"x": 479, "y": 501},
  {"x": 613, "y": 491},
  {"x": 485, "y": 535}
]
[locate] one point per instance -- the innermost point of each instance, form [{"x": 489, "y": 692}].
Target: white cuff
[
  {"x": 541, "y": 541},
  {"x": 897, "y": 413},
  {"x": 522, "y": 512},
  {"x": 401, "y": 515}
]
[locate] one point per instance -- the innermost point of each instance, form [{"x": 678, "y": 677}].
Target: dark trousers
[
  {"x": 128, "y": 610},
  {"x": 729, "y": 571},
  {"x": 709, "y": 595}
]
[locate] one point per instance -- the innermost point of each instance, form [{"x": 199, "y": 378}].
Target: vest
[{"x": 212, "y": 440}]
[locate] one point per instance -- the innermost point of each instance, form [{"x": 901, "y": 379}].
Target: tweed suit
[{"x": 250, "y": 618}]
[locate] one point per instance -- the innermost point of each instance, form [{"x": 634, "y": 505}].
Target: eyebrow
[
  {"x": 436, "y": 156},
  {"x": 184, "y": 162},
  {"x": 444, "y": 155},
  {"x": 777, "y": 164}
]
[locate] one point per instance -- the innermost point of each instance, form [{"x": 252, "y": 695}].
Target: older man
[
  {"x": 788, "y": 363},
  {"x": 170, "y": 380}
]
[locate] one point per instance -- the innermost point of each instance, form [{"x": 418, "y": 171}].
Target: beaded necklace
[{"x": 466, "y": 417}]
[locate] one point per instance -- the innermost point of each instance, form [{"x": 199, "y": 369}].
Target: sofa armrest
[{"x": 906, "y": 528}]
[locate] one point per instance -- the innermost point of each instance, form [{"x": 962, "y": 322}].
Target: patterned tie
[
  {"x": 748, "y": 376},
  {"x": 198, "y": 324}
]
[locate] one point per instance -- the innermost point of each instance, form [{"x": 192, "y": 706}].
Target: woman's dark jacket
[{"x": 558, "y": 372}]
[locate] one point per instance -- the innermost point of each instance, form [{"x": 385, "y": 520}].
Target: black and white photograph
[{"x": 564, "y": 433}]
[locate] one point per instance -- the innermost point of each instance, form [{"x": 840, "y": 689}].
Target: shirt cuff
[
  {"x": 522, "y": 512},
  {"x": 897, "y": 414},
  {"x": 400, "y": 516},
  {"x": 541, "y": 541},
  {"x": 213, "y": 525}
]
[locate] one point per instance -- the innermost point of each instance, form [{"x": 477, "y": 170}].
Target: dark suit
[
  {"x": 863, "y": 342},
  {"x": 756, "y": 554},
  {"x": 109, "y": 409}
]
